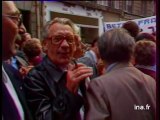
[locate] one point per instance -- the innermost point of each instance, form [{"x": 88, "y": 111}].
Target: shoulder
[
  {"x": 37, "y": 73},
  {"x": 11, "y": 71},
  {"x": 39, "y": 69},
  {"x": 98, "y": 82},
  {"x": 86, "y": 60}
]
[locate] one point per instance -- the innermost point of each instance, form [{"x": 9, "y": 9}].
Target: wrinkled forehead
[
  {"x": 62, "y": 29},
  {"x": 63, "y": 32},
  {"x": 8, "y": 7}
]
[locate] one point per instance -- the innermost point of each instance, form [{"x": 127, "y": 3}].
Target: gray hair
[
  {"x": 116, "y": 45},
  {"x": 6, "y": 4},
  {"x": 77, "y": 29},
  {"x": 64, "y": 21}
]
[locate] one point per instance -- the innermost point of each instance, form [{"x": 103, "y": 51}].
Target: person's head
[
  {"x": 94, "y": 47},
  {"x": 132, "y": 28},
  {"x": 79, "y": 45},
  {"x": 145, "y": 53},
  {"x": 146, "y": 36},
  {"x": 116, "y": 45},
  {"x": 11, "y": 21},
  {"x": 32, "y": 48},
  {"x": 94, "y": 42},
  {"x": 22, "y": 36},
  {"x": 59, "y": 40}
]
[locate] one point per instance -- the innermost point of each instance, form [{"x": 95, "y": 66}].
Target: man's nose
[{"x": 64, "y": 42}]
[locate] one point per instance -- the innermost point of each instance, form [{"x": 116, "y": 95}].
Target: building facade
[{"x": 88, "y": 15}]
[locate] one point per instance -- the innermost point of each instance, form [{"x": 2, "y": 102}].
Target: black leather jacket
[{"x": 47, "y": 95}]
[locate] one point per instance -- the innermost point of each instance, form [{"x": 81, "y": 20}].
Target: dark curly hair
[
  {"x": 32, "y": 48},
  {"x": 145, "y": 53},
  {"x": 132, "y": 27}
]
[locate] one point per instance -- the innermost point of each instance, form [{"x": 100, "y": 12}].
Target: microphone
[{"x": 87, "y": 81}]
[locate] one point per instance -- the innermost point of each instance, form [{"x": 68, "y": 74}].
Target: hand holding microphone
[{"x": 75, "y": 76}]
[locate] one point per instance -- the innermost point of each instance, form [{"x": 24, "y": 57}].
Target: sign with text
[{"x": 146, "y": 24}]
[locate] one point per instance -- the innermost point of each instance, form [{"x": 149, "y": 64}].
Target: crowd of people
[{"x": 60, "y": 78}]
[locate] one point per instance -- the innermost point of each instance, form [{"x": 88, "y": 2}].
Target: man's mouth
[{"x": 64, "y": 53}]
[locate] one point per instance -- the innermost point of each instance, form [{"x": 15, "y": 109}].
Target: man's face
[
  {"x": 10, "y": 21},
  {"x": 60, "y": 53}
]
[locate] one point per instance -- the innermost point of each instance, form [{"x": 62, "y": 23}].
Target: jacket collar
[
  {"x": 117, "y": 65},
  {"x": 55, "y": 72}
]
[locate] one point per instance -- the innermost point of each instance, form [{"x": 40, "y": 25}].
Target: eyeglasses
[
  {"x": 18, "y": 18},
  {"x": 58, "y": 39}
]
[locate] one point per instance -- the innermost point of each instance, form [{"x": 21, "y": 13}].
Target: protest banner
[{"x": 146, "y": 24}]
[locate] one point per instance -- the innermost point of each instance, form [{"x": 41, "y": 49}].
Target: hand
[
  {"x": 24, "y": 70},
  {"x": 75, "y": 76}
]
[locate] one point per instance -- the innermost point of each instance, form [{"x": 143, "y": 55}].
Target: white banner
[{"x": 146, "y": 24}]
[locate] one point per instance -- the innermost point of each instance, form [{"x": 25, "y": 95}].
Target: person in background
[
  {"x": 146, "y": 36},
  {"x": 32, "y": 48},
  {"x": 123, "y": 92},
  {"x": 14, "y": 105},
  {"x": 22, "y": 36},
  {"x": 79, "y": 53},
  {"x": 132, "y": 27},
  {"x": 52, "y": 86},
  {"x": 145, "y": 57},
  {"x": 93, "y": 53},
  {"x": 91, "y": 58},
  {"x": 80, "y": 46}
]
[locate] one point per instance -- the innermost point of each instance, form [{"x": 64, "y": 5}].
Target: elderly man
[
  {"x": 124, "y": 92},
  {"x": 14, "y": 106},
  {"x": 52, "y": 86}
]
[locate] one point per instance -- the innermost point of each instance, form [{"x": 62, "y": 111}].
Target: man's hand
[
  {"x": 75, "y": 76},
  {"x": 24, "y": 70}
]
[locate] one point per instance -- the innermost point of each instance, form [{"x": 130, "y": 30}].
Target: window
[
  {"x": 144, "y": 7},
  {"x": 128, "y": 6},
  {"x": 116, "y": 4},
  {"x": 111, "y": 3},
  {"x": 104, "y": 3}
]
